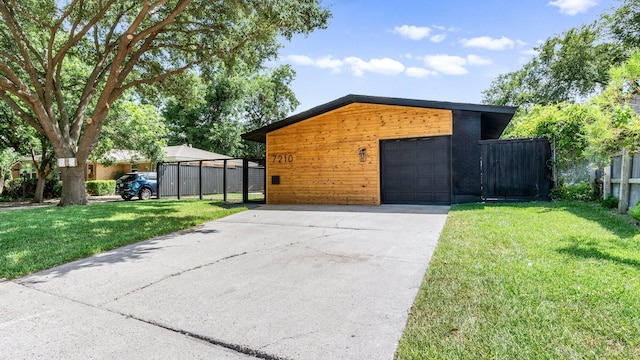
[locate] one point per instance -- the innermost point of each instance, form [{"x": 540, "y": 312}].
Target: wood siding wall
[{"x": 318, "y": 160}]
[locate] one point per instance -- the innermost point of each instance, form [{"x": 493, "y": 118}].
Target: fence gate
[{"x": 517, "y": 169}]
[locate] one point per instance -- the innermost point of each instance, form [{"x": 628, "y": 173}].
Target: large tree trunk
[
  {"x": 38, "y": 197},
  {"x": 73, "y": 188}
]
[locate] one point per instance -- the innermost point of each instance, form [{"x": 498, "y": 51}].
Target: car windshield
[{"x": 128, "y": 177}]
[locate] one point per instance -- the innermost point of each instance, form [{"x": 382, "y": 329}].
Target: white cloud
[
  {"x": 447, "y": 64},
  {"x": 478, "y": 60},
  {"x": 329, "y": 62},
  {"x": 454, "y": 65},
  {"x": 416, "y": 72},
  {"x": 412, "y": 32},
  {"x": 438, "y": 38},
  {"x": 357, "y": 66},
  {"x": 573, "y": 7},
  {"x": 326, "y": 62},
  {"x": 300, "y": 60},
  {"x": 489, "y": 43},
  {"x": 384, "y": 66},
  {"x": 444, "y": 28}
]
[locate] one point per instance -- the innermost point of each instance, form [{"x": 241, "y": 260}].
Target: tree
[
  {"x": 567, "y": 68},
  {"x": 212, "y": 124},
  {"x": 563, "y": 124},
  {"x": 237, "y": 100},
  {"x": 132, "y": 126},
  {"x": 23, "y": 139},
  {"x": 617, "y": 125},
  {"x": 623, "y": 24},
  {"x": 269, "y": 99},
  {"x": 116, "y": 45}
]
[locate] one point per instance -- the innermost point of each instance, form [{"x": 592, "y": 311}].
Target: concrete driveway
[{"x": 276, "y": 282}]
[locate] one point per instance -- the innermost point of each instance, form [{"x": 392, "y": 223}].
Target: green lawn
[
  {"x": 40, "y": 238},
  {"x": 529, "y": 281}
]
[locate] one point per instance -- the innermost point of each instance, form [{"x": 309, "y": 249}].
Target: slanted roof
[
  {"x": 171, "y": 154},
  {"x": 124, "y": 156},
  {"x": 494, "y": 118},
  {"x": 187, "y": 153}
]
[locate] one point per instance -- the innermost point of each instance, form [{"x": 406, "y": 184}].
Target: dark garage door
[{"x": 416, "y": 171}]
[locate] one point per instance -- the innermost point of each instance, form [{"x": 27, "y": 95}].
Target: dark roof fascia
[{"x": 259, "y": 135}]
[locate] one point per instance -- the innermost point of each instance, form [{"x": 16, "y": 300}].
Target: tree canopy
[
  {"x": 236, "y": 100},
  {"x": 132, "y": 126},
  {"x": 65, "y": 63},
  {"x": 567, "y": 68},
  {"x": 581, "y": 89},
  {"x": 617, "y": 125}
]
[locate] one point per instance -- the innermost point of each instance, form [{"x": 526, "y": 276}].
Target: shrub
[
  {"x": 635, "y": 212},
  {"x": 610, "y": 202},
  {"x": 101, "y": 187},
  {"x": 583, "y": 191},
  {"x": 26, "y": 188}
]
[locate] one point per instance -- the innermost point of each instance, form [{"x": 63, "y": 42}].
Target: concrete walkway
[{"x": 276, "y": 282}]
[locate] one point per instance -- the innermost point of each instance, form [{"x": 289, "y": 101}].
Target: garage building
[{"x": 369, "y": 150}]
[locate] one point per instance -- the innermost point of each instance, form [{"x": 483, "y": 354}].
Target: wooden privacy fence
[
  {"x": 622, "y": 180},
  {"x": 515, "y": 169},
  {"x": 238, "y": 178}
]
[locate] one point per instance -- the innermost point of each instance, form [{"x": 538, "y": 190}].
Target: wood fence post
[
  {"x": 623, "y": 203},
  {"x": 606, "y": 181}
]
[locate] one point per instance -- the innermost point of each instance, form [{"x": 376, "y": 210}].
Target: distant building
[{"x": 124, "y": 161}]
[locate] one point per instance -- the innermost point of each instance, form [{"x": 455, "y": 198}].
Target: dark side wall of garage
[{"x": 465, "y": 157}]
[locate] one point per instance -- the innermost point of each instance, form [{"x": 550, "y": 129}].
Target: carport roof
[{"x": 494, "y": 118}]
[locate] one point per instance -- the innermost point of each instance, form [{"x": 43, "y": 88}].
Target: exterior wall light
[{"x": 363, "y": 155}]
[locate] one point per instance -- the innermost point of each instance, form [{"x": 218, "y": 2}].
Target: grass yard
[
  {"x": 529, "y": 281},
  {"x": 41, "y": 238}
]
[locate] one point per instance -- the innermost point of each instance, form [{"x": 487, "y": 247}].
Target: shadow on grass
[
  {"x": 591, "y": 251},
  {"x": 50, "y": 237},
  {"x": 115, "y": 252}
]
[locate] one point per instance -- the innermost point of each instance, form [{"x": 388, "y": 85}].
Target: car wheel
[
  {"x": 145, "y": 194},
  {"x": 126, "y": 197}
]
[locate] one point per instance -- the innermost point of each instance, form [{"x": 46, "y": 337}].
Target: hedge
[{"x": 101, "y": 187}]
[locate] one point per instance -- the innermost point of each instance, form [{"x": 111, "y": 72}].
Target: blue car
[{"x": 144, "y": 185}]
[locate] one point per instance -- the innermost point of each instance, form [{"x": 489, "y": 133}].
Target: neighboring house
[
  {"x": 374, "y": 150},
  {"x": 124, "y": 161},
  {"x": 128, "y": 161},
  {"x": 24, "y": 166}
]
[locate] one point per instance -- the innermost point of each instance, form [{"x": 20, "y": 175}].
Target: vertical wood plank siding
[
  {"x": 516, "y": 169},
  {"x": 318, "y": 160}
]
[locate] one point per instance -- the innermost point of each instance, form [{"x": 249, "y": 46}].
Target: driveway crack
[
  {"x": 178, "y": 273},
  {"x": 243, "y": 349}
]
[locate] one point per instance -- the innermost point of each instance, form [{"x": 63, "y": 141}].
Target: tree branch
[
  {"x": 21, "y": 113},
  {"x": 21, "y": 38}
]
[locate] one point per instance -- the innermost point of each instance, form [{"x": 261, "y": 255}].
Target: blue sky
[{"x": 419, "y": 49}]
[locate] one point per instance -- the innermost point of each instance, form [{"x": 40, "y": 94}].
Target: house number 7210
[{"x": 282, "y": 158}]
